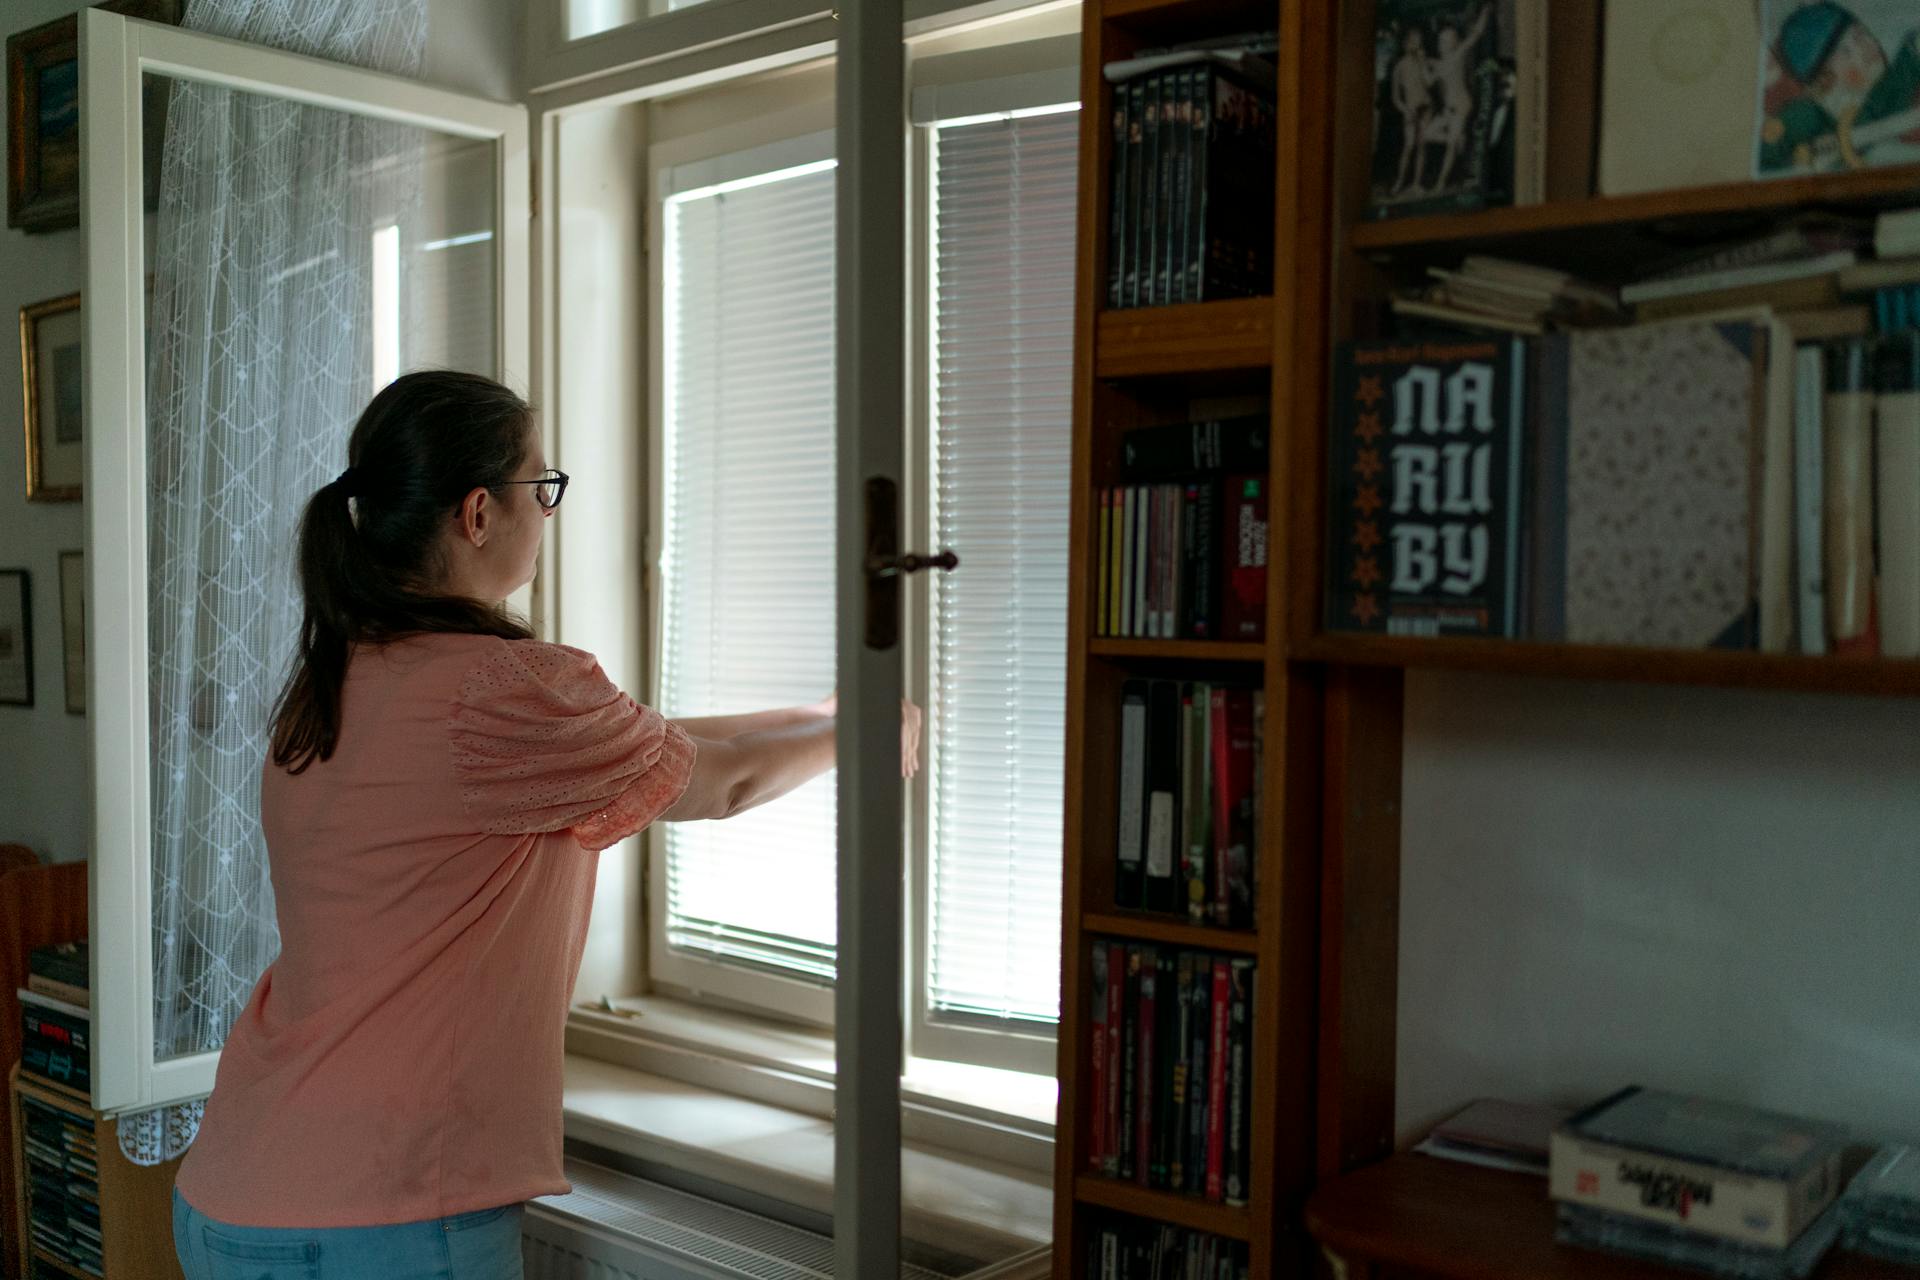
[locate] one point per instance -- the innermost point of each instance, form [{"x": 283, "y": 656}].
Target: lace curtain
[{"x": 259, "y": 359}]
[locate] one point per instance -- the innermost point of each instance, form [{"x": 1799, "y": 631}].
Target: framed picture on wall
[
  {"x": 43, "y": 119},
  {"x": 16, "y": 639},
  {"x": 73, "y": 628},
  {"x": 50, "y": 371}
]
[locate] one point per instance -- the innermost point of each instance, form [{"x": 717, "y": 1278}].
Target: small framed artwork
[
  {"x": 73, "y": 628},
  {"x": 43, "y": 119},
  {"x": 50, "y": 370},
  {"x": 16, "y": 639}
]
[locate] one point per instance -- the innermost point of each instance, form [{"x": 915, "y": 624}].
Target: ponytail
[{"x": 369, "y": 541}]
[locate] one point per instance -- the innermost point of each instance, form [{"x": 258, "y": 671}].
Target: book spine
[
  {"x": 1201, "y": 1034},
  {"x": 1199, "y": 94},
  {"x": 1167, "y": 1021},
  {"x": 1182, "y": 185},
  {"x": 1117, "y": 497},
  {"x": 1130, "y": 1067},
  {"x": 1150, "y": 197},
  {"x": 1176, "y": 1128},
  {"x": 1145, "y": 1080},
  {"x": 1245, "y": 598},
  {"x": 1176, "y": 560},
  {"x": 1117, "y": 205},
  {"x": 1809, "y": 392},
  {"x": 1217, "y": 1083},
  {"x": 1897, "y": 460},
  {"x": 1239, "y": 1051},
  {"x": 1116, "y": 1018},
  {"x": 1140, "y": 558},
  {"x": 1128, "y": 886},
  {"x": 81, "y": 997},
  {"x": 1136, "y": 157},
  {"x": 1097, "y": 1061},
  {"x": 1239, "y": 781},
  {"x": 1220, "y": 751},
  {"x": 1129, "y": 513},
  {"x": 1848, "y": 466},
  {"x": 1104, "y": 502},
  {"x": 1170, "y": 140},
  {"x": 1163, "y": 792},
  {"x": 1196, "y": 803}
]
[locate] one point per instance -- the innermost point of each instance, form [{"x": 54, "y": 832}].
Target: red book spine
[
  {"x": 1217, "y": 1085},
  {"x": 1143, "y": 1073},
  {"x": 1244, "y": 600},
  {"x": 1116, "y": 1010},
  {"x": 1097, "y": 1107}
]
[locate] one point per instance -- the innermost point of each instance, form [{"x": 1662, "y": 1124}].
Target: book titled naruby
[
  {"x": 1716, "y": 1168},
  {"x": 1426, "y": 456}
]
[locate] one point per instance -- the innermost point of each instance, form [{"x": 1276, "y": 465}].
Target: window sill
[
  {"x": 1005, "y": 1116},
  {"x": 976, "y": 1206}
]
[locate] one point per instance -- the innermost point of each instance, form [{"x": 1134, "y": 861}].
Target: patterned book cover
[
  {"x": 1425, "y": 491},
  {"x": 1647, "y": 455}
]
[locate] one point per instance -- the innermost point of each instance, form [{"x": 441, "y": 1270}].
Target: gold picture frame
[{"x": 50, "y": 375}]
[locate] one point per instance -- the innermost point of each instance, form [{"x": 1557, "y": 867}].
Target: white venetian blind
[
  {"x": 747, "y": 569},
  {"x": 1003, "y": 353}
]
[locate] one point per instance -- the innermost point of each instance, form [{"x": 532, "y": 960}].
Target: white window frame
[
  {"x": 673, "y": 168},
  {"x": 688, "y": 163},
  {"x": 115, "y": 53}
]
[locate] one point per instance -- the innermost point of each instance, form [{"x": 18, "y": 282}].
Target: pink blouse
[{"x": 401, "y": 1059}]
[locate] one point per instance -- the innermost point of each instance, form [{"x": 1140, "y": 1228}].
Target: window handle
[{"x": 886, "y": 565}]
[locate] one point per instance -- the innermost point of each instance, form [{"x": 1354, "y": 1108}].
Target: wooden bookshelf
[
  {"x": 1402, "y": 1215},
  {"x": 1133, "y": 368},
  {"x": 1418, "y": 1215},
  {"x": 136, "y": 1201}
]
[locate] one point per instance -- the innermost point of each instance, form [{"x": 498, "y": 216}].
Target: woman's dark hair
[{"x": 370, "y": 540}]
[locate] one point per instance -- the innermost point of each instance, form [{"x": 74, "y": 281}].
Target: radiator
[{"x": 615, "y": 1226}]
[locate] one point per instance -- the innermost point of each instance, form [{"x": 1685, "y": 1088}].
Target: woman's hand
[{"x": 911, "y": 720}]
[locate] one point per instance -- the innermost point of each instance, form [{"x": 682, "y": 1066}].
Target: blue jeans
[{"x": 481, "y": 1245}]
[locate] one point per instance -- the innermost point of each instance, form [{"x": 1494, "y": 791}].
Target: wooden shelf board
[
  {"x": 54, "y": 1093},
  {"x": 1890, "y": 677},
  {"x": 1189, "y": 650},
  {"x": 1447, "y": 1219},
  {"x": 43, "y": 1256},
  {"x": 1784, "y": 194},
  {"x": 1179, "y": 933},
  {"x": 1232, "y": 1221},
  {"x": 1194, "y": 337}
]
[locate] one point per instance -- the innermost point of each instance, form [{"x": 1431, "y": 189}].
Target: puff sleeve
[{"x": 542, "y": 740}]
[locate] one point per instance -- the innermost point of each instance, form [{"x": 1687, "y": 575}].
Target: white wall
[
  {"x": 472, "y": 45},
  {"x": 1712, "y": 890}
]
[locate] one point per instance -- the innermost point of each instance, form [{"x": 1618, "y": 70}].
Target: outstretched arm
[
  {"x": 746, "y": 760},
  {"x": 1479, "y": 26}
]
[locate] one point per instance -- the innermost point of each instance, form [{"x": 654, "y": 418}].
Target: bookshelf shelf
[
  {"x": 1231, "y": 1221},
  {"x": 1146, "y": 928},
  {"x": 1454, "y": 1221},
  {"x": 1726, "y": 669},
  {"x": 1557, "y": 217},
  {"x": 1193, "y": 337},
  {"x": 65, "y": 1268},
  {"x": 1186, "y": 650}
]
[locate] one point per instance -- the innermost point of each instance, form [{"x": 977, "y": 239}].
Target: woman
[{"x": 440, "y": 784}]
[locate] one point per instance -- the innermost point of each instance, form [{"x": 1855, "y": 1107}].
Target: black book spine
[
  {"x": 1129, "y": 1057},
  {"x": 1196, "y": 1127},
  {"x": 1163, "y": 795},
  {"x": 1206, "y": 558},
  {"x": 1136, "y": 155},
  {"x": 1239, "y": 1050},
  {"x": 1150, "y": 195},
  {"x": 1183, "y": 185},
  {"x": 1200, "y": 114},
  {"x": 1178, "y": 1161},
  {"x": 1165, "y": 1109},
  {"x": 1117, "y": 203},
  {"x": 1131, "y": 840},
  {"x": 1172, "y": 144}
]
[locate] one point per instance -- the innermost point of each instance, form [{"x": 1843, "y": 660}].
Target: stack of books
[
  {"x": 1189, "y": 800},
  {"x": 1171, "y": 1054},
  {"x": 1498, "y": 1135},
  {"x": 1880, "y": 1212},
  {"x": 62, "y": 1185},
  {"x": 1696, "y": 1183},
  {"x": 1183, "y": 543},
  {"x": 1510, "y": 297},
  {"x": 1191, "y": 210},
  {"x": 1128, "y": 1249}
]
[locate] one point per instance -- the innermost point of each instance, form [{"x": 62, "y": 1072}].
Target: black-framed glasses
[{"x": 549, "y": 487}]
